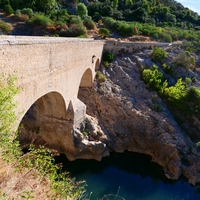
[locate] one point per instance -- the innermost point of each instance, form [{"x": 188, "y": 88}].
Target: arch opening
[
  {"x": 85, "y": 84},
  {"x": 47, "y": 122},
  {"x": 86, "y": 80},
  {"x": 97, "y": 65}
]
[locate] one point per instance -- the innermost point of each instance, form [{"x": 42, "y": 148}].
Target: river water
[{"x": 129, "y": 176}]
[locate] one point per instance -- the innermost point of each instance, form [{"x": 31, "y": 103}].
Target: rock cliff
[{"x": 134, "y": 118}]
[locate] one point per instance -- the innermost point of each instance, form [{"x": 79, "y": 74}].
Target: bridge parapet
[{"x": 117, "y": 47}]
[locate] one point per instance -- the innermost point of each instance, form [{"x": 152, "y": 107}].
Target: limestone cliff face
[{"x": 134, "y": 118}]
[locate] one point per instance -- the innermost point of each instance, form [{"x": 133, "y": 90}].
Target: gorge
[{"x": 123, "y": 113}]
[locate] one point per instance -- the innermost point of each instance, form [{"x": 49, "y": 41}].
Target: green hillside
[{"x": 162, "y": 20}]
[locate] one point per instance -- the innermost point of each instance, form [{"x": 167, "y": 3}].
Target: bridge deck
[{"x": 4, "y": 39}]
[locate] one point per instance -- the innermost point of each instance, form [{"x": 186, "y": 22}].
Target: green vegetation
[
  {"x": 154, "y": 78},
  {"x": 181, "y": 98},
  {"x": 8, "y": 9},
  {"x": 100, "y": 77},
  {"x": 184, "y": 61},
  {"x": 39, "y": 161},
  {"x": 104, "y": 32},
  {"x": 88, "y": 23},
  {"x": 41, "y": 20},
  {"x": 164, "y": 20},
  {"x": 82, "y": 10},
  {"x": 109, "y": 57},
  {"x": 158, "y": 54},
  {"x": 4, "y": 27}
]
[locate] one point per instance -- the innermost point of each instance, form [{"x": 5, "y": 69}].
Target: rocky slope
[{"x": 123, "y": 107}]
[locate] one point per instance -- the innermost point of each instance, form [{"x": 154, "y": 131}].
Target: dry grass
[{"x": 16, "y": 184}]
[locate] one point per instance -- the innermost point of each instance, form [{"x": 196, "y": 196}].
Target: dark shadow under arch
[
  {"x": 97, "y": 65},
  {"x": 51, "y": 104},
  {"x": 45, "y": 120}
]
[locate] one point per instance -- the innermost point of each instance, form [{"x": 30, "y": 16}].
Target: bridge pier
[{"x": 78, "y": 108}]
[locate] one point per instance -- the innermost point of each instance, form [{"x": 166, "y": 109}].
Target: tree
[{"x": 82, "y": 10}]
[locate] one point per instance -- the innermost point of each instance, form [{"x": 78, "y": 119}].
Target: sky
[{"x": 191, "y": 4}]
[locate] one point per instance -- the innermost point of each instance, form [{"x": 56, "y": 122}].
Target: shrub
[
  {"x": 193, "y": 60},
  {"x": 167, "y": 38},
  {"x": 146, "y": 32},
  {"x": 20, "y": 16},
  {"x": 100, "y": 77},
  {"x": 4, "y": 27},
  {"x": 155, "y": 35},
  {"x": 18, "y": 13},
  {"x": 75, "y": 20},
  {"x": 104, "y": 32},
  {"x": 176, "y": 93},
  {"x": 158, "y": 54},
  {"x": 108, "y": 57},
  {"x": 82, "y": 10},
  {"x": 188, "y": 45},
  {"x": 88, "y": 23},
  {"x": 183, "y": 60},
  {"x": 74, "y": 30},
  {"x": 27, "y": 11},
  {"x": 153, "y": 77},
  {"x": 106, "y": 64},
  {"x": 8, "y": 9},
  {"x": 42, "y": 20}
]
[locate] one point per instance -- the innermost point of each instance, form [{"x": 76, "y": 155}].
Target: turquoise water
[{"x": 129, "y": 176}]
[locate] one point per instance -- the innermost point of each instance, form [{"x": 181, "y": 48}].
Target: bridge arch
[
  {"x": 45, "y": 120},
  {"x": 86, "y": 79}
]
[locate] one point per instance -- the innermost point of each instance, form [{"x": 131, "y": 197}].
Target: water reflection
[{"x": 131, "y": 176}]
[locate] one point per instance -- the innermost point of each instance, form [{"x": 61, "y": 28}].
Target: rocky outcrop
[{"x": 134, "y": 118}]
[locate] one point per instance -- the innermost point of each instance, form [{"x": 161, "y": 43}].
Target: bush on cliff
[
  {"x": 109, "y": 57},
  {"x": 184, "y": 60},
  {"x": 158, "y": 54},
  {"x": 154, "y": 78}
]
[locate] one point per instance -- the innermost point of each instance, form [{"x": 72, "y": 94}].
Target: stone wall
[{"x": 131, "y": 47}]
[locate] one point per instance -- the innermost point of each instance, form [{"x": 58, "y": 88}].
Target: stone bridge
[{"x": 50, "y": 71}]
